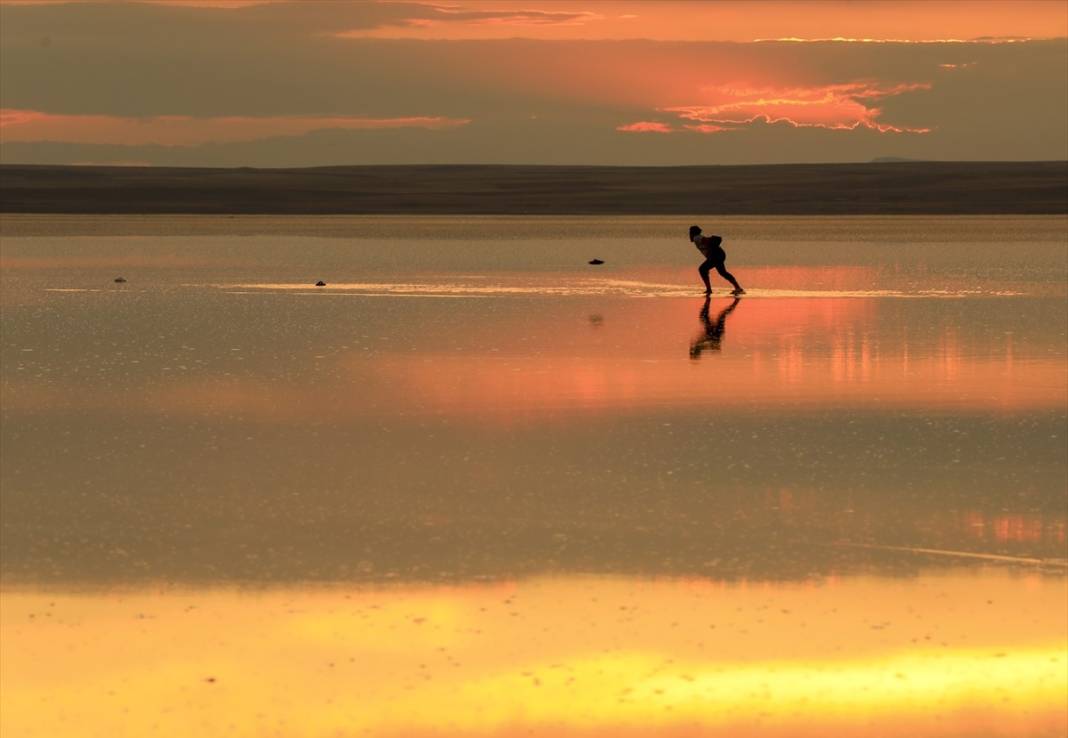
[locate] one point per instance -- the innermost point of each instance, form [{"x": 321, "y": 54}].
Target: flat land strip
[{"x": 927, "y": 188}]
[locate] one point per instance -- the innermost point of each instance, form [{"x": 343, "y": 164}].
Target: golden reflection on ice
[
  {"x": 743, "y": 355},
  {"x": 940, "y": 654},
  {"x": 638, "y": 354}
]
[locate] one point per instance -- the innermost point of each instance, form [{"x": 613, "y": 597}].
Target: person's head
[{"x": 695, "y": 231}]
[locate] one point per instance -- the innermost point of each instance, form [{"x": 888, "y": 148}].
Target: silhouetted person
[
  {"x": 713, "y": 335},
  {"x": 715, "y": 258}
]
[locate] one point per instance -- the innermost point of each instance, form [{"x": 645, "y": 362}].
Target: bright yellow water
[{"x": 952, "y": 653}]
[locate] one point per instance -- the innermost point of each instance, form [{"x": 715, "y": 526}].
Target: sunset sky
[{"x": 247, "y": 83}]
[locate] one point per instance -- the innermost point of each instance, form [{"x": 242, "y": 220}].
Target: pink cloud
[
  {"x": 454, "y": 21},
  {"x": 706, "y": 128},
  {"x": 11, "y": 117},
  {"x": 33, "y": 125},
  {"x": 844, "y": 40},
  {"x": 842, "y": 107},
  {"x": 532, "y": 18},
  {"x": 645, "y": 126}
]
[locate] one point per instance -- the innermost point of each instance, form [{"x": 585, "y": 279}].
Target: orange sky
[
  {"x": 714, "y": 20},
  {"x": 738, "y": 20},
  {"x": 511, "y": 81}
]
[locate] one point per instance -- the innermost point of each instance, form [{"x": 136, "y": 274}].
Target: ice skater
[{"x": 715, "y": 258}]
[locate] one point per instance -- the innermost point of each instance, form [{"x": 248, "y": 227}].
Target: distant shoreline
[{"x": 882, "y": 188}]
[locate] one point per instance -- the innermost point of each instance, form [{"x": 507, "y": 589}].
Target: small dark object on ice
[
  {"x": 320, "y": 283},
  {"x": 120, "y": 280},
  {"x": 596, "y": 262}
]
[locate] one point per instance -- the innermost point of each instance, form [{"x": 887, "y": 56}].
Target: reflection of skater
[
  {"x": 713, "y": 333},
  {"x": 715, "y": 258}
]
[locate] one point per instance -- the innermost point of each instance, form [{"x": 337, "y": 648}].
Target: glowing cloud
[{"x": 835, "y": 107}]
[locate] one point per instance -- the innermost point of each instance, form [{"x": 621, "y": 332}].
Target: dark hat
[{"x": 694, "y": 230}]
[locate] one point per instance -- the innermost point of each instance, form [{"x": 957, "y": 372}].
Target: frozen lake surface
[{"x": 523, "y": 493}]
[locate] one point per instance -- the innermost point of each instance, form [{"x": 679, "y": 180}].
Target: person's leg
[
  {"x": 703, "y": 270},
  {"x": 722, "y": 269}
]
